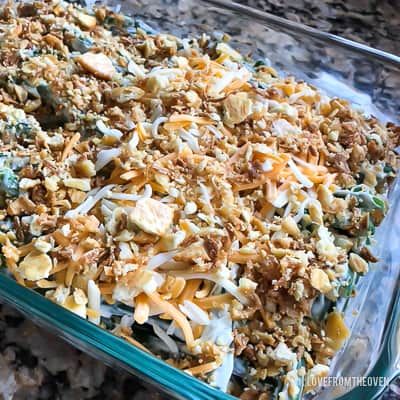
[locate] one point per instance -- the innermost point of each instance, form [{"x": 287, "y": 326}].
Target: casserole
[{"x": 366, "y": 104}]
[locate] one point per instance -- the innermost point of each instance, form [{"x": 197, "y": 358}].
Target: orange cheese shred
[
  {"x": 177, "y": 316},
  {"x": 142, "y": 309},
  {"x": 203, "y": 368},
  {"x": 190, "y": 118},
  {"x": 141, "y": 132},
  {"x": 217, "y": 301},
  {"x": 135, "y": 343},
  {"x": 190, "y": 290},
  {"x": 106, "y": 288},
  {"x": 240, "y": 258},
  {"x": 70, "y": 145}
]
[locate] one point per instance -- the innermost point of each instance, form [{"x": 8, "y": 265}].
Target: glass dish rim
[
  {"x": 77, "y": 330},
  {"x": 280, "y": 22}
]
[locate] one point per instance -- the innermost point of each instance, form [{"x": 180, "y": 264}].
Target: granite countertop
[
  {"x": 372, "y": 22},
  {"x": 34, "y": 364}
]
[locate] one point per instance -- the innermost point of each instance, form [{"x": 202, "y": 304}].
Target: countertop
[
  {"x": 372, "y": 22},
  {"x": 34, "y": 364}
]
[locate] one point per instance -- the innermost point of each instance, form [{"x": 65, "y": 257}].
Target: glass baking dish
[{"x": 370, "y": 79}]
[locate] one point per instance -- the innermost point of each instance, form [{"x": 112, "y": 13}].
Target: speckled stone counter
[
  {"x": 372, "y": 22},
  {"x": 37, "y": 365}
]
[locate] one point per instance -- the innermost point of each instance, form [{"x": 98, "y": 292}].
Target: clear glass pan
[{"x": 370, "y": 79}]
